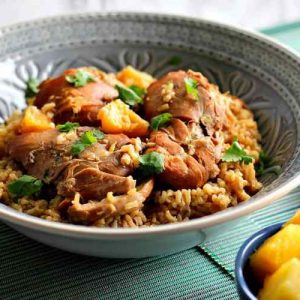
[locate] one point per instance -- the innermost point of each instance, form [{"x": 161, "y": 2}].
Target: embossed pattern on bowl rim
[{"x": 13, "y": 216}]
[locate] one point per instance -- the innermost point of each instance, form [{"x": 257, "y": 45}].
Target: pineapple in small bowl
[{"x": 268, "y": 264}]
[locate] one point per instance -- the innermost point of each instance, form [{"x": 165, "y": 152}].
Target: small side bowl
[{"x": 246, "y": 285}]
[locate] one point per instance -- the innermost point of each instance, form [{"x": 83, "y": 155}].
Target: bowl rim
[
  {"x": 10, "y": 215},
  {"x": 242, "y": 257}
]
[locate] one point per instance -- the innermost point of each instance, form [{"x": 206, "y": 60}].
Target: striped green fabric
[
  {"x": 29, "y": 270},
  {"x": 224, "y": 252},
  {"x": 287, "y": 34}
]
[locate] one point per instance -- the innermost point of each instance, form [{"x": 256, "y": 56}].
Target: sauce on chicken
[{"x": 100, "y": 150}]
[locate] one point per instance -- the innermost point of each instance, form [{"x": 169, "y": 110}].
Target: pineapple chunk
[
  {"x": 117, "y": 117},
  {"x": 284, "y": 284},
  {"x": 130, "y": 76},
  {"x": 295, "y": 219},
  {"x": 276, "y": 250},
  {"x": 34, "y": 120}
]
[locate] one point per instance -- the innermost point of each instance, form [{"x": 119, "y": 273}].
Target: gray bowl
[{"x": 264, "y": 73}]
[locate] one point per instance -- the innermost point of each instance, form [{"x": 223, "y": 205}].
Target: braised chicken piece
[
  {"x": 112, "y": 205},
  {"x": 76, "y": 104},
  {"x": 191, "y": 144},
  {"x": 126, "y": 149},
  {"x": 38, "y": 153},
  {"x": 96, "y": 171},
  {"x": 86, "y": 178},
  {"x": 190, "y": 158},
  {"x": 118, "y": 139},
  {"x": 170, "y": 94}
]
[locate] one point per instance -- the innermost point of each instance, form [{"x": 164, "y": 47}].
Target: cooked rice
[{"x": 235, "y": 183}]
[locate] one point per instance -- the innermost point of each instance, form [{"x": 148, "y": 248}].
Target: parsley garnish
[
  {"x": 161, "y": 120},
  {"x": 68, "y": 126},
  {"x": 87, "y": 139},
  {"x": 138, "y": 90},
  {"x": 191, "y": 86},
  {"x": 81, "y": 78},
  {"x": 78, "y": 147},
  {"x": 129, "y": 96},
  {"x": 266, "y": 165},
  {"x": 151, "y": 163},
  {"x": 174, "y": 60},
  {"x": 25, "y": 186},
  {"x": 236, "y": 153},
  {"x": 32, "y": 88},
  {"x": 99, "y": 135}
]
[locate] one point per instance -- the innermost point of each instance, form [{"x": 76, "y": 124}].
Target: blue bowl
[{"x": 247, "y": 286}]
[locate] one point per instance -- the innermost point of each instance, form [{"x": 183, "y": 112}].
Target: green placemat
[
  {"x": 29, "y": 270},
  {"x": 223, "y": 248},
  {"x": 288, "y": 34}
]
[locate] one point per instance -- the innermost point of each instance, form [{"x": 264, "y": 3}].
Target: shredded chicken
[
  {"x": 206, "y": 110},
  {"x": 189, "y": 160},
  {"x": 110, "y": 205},
  {"x": 99, "y": 181},
  {"x": 76, "y": 104}
]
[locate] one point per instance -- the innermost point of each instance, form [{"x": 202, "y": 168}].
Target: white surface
[{"x": 245, "y": 13}]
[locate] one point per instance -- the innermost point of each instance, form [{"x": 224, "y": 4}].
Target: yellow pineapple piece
[
  {"x": 35, "y": 120},
  {"x": 117, "y": 117},
  {"x": 130, "y": 76},
  {"x": 295, "y": 219},
  {"x": 284, "y": 284},
  {"x": 275, "y": 251}
]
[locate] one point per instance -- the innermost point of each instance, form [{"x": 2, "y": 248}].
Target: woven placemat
[
  {"x": 30, "y": 270},
  {"x": 224, "y": 247}
]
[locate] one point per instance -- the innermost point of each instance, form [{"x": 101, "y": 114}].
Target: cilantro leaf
[
  {"x": 32, "y": 88},
  {"x": 67, "y": 127},
  {"x": 25, "y": 186},
  {"x": 129, "y": 96},
  {"x": 81, "y": 78},
  {"x": 78, "y": 147},
  {"x": 99, "y": 135},
  {"x": 174, "y": 60},
  {"x": 87, "y": 139},
  {"x": 151, "y": 163},
  {"x": 161, "y": 120},
  {"x": 191, "y": 86},
  {"x": 266, "y": 165},
  {"x": 236, "y": 153},
  {"x": 138, "y": 90}
]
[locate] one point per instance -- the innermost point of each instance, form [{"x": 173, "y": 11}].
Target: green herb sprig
[
  {"x": 129, "y": 96},
  {"x": 138, "y": 90},
  {"x": 266, "y": 165},
  {"x": 80, "y": 78},
  {"x": 160, "y": 121},
  {"x": 236, "y": 153},
  {"x": 151, "y": 163},
  {"x": 99, "y": 135},
  {"x": 191, "y": 86},
  {"x": 67, "y": 127},
  {"x": 87, "y": 139},
  {"x": 32, "y": 88},
  {"x": 25, "y": 186}
]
